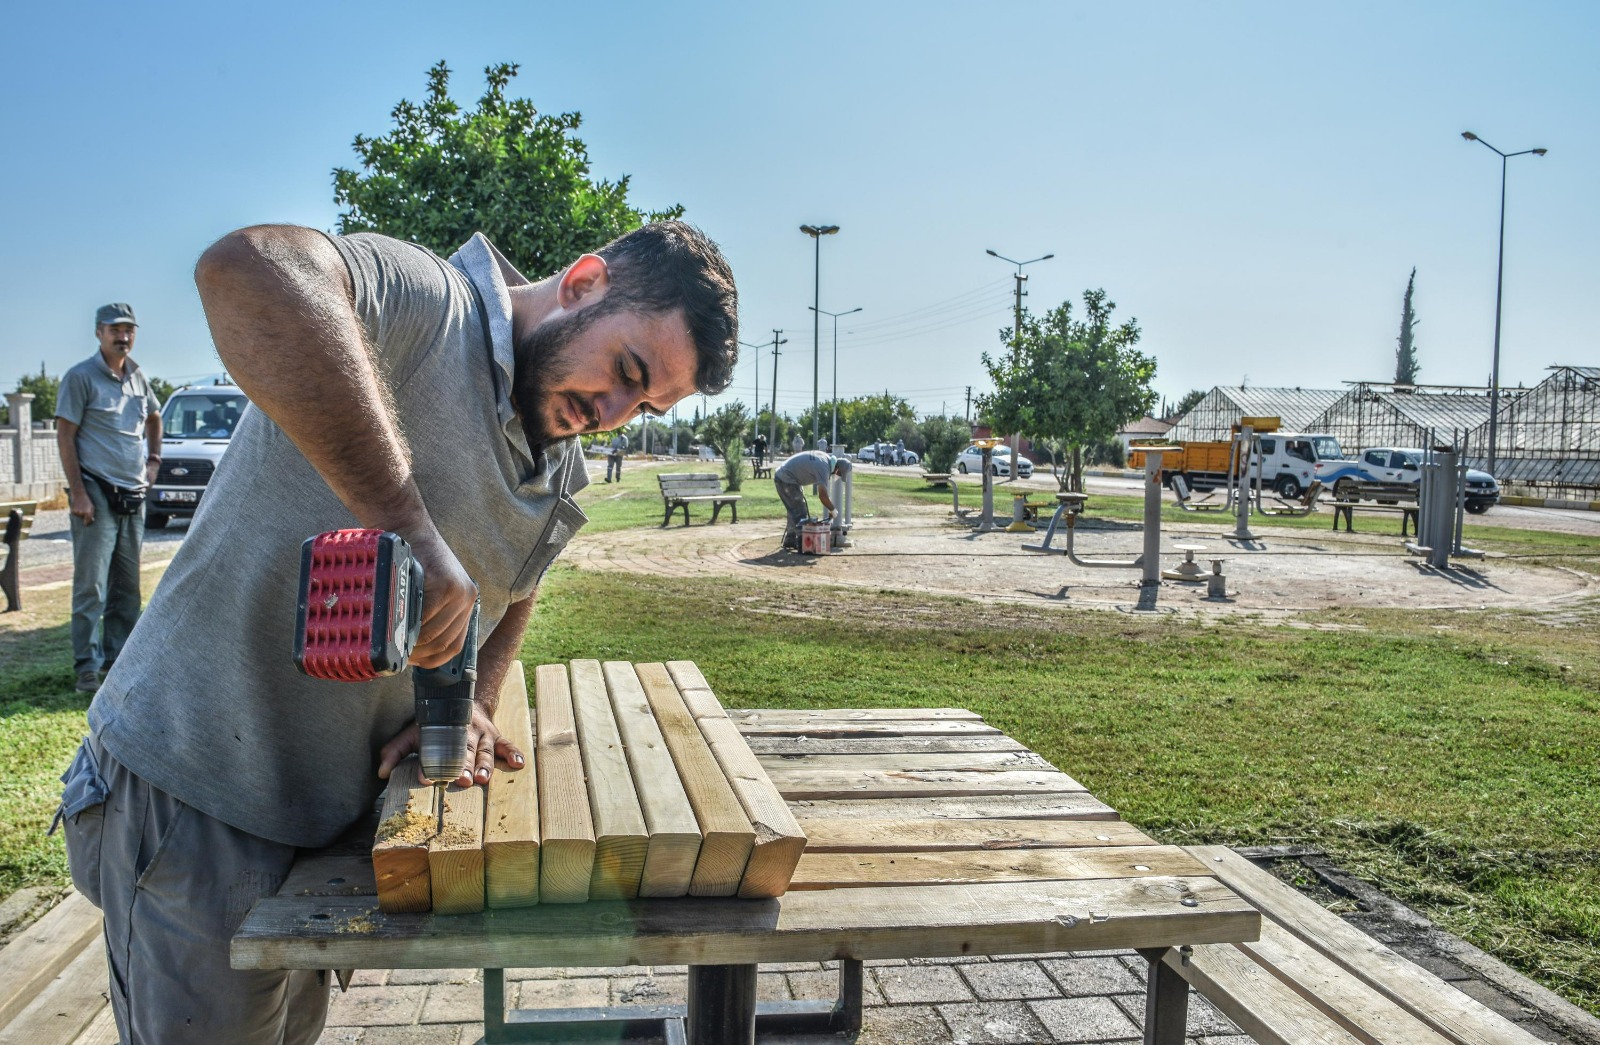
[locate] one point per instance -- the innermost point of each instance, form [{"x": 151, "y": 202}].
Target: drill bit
[{"x": 438, "y": 800}]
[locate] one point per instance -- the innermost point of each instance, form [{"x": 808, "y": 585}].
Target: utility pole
[
  {"x": 969, "y": 406},
  {"x": 1016, "y": 349},
  {"x": 755, "y": 401},
  {"x": 773, "y": 443},
  {"x": 816, "y": 232}
]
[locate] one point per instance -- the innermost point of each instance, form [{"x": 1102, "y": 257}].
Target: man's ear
[{"x": 585, "y": 282}]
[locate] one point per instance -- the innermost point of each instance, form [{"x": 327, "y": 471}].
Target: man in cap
[
  {"x": 807, "y": 468},
  {"x": 108, "y": 431}
]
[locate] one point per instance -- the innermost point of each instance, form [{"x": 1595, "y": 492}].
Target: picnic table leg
[
  {"x": 722, "y": 1005},
  {"x": 1166, "y": 1002},
  {"x": 10, "y": 575}
]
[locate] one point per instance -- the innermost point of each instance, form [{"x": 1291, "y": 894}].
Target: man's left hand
[{"x": 486, "y": 748}]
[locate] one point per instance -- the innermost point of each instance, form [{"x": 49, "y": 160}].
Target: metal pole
[
  {"x": 1499, "y": 284},
  {"x": 833, "y": 443},
  {"x": 1152, "y": 519},
  {"x": 816, "y": 339},
  {"x": 774, "y": 425},
  {"x": 1016, "y": 350}
]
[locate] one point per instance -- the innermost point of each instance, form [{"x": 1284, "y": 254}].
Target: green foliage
[
  {"x": 943, "y": 438},
  {"x": 502, "y": 169},
  {"x": 1070, "y": 381},
  {"x": 1405, "y": 356},
  {"x": 162, "y": 388},
  {"x": 724, "y": 432},
  {"x": 1190, "y": 400},
  {"x": 865, "y": 418},
  {"x": 44, "y": 388}
]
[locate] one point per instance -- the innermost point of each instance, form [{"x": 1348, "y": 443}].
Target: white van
[{"x": 196, "y": 425}]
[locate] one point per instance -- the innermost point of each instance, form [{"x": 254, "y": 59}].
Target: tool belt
[{"x": 122, "y": 501}]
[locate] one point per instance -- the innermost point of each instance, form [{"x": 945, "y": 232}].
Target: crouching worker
[{"x": 807, "y": 468}]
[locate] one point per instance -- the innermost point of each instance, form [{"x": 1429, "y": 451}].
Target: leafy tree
[
  {"x": 162, "y": 388},
  {"x": 502, "y": 169},
  {"x": 1070, "y": 382},
  {"x": 44, "y": 388},
  {"x": 1405, "y": 357},
  {"x": 724, "y": 432},
  {"x": 943, "y": 438},
  {"x": 1190, "y": 400}
]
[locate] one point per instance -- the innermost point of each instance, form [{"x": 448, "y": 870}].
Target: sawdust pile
[{"x": 411, "y": 827}]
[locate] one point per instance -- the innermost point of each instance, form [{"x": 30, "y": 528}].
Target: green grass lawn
[{"x": 1448, "y": 757}]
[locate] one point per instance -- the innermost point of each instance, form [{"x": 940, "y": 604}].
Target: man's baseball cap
[
  {"x": 841, "y": 465},
  {"x": 117, "y": 312}
]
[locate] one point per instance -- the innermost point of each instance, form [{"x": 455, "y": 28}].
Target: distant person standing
[
  {"x": 108, "y": 431},
  {"x": 614, "y": 454},
  {"x": 797, "y": 444},
  {"x": 822, "y": 443},
  {"x": 759, "y": 448},
  {"x": 805, "y": 468},
  {"x": 899, "y": 451}
]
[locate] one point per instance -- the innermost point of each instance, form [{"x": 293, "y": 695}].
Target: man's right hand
[
  {"x": 448, "y": 595},
  {"x": 81, "y": 507}
]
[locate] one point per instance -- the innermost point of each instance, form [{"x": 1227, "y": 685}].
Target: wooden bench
[
  {"x": 762, "y": 471},
  {"x": 936, "y": 478},
  {"x": 681, "y": 489},
  {"x": 19, "y": 520},
  {"x": 1312, "y": 977},
  {"x": 1347, "y": 509}
]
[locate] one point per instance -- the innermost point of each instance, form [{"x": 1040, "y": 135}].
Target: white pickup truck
[{"x": 1384, "y": 471}]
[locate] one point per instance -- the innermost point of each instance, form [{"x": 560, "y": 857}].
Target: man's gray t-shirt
[
  {"x": 205, "y": 702},
  {"x": 110, "y": 413},
  {"x": 807, "y": 468}
]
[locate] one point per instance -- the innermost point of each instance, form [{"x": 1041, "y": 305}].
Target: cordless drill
[{"x": 358, "y": 616}]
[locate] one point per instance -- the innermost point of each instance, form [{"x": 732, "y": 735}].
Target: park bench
[
  {"x": 936, "y": 478},
  {"x": 1312, "y": 977},
  {"x": 19, "y": 520},
  {"x": 1346, "y": 510},
  {"x": 681, "y": 489}
]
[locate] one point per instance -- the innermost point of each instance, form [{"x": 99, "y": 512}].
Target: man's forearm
[
  {"x": 281, "y": 310},
  {"x": 499, "y": 650}
]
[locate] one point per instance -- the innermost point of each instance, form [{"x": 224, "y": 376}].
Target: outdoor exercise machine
[
  {"x": 1441, "y": 504},
  {"x": 841, "y": 491},
  {"x": 1069, "y": 508}
]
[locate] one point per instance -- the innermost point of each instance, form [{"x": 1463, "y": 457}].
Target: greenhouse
[{"x": 1213, "y": 417}]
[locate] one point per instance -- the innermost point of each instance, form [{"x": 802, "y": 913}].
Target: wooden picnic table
[{"x": 931, "y": 834}]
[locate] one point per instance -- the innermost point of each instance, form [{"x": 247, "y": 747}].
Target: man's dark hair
[{"x": 668, "y": 265}]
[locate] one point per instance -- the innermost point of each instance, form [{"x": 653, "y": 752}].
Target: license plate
[{"x": 179, "y": 496}]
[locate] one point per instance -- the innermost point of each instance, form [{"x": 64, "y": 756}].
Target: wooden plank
[
  {"x": 856, "y": 870},
  {"x": 511, "y": 835},
  {"x": 343, "y": 868},
  {"x": 783, "y": 745},
  {"x": 908, "y": 761},
  {"x": 37, "y": 955},
  {"x": 779, "y": 841},
  {"x": 1344, "y": 998},
  {"x": 1447, "y": 1011},
  {"x": 933, "y": 921},
  {"x": 566, "y": 853},
  {"x": 455, "y": 854},
  {"x": 674, "y": 832},
  {"x": 1276, "y": 1015},
  {"x": 933, "y": 836},
  {"x": 408, "y": 820},
  {"x": 621, "y": 840},
  {"x": 1065, "y": 806},
  {"x": 65, "y": 1006},
  {"x": 802, "y": 716},
  {"x": 845, "y": 728},
  {"x": 798, "y": 784},
  {"x": 102, "y": 1031},
  {"x": 727, "y": 831}
]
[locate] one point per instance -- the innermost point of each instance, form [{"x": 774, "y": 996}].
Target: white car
[
  {"x": 196, "y": 426},
  {"x": 971, "y": 460}
]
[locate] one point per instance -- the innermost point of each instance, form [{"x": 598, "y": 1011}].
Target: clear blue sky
[{"x": 1253, "y": 182}]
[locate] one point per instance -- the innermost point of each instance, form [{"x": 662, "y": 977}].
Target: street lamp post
[
  {"x": 1499, "y": 282},
  {"x": 1016, "y": 347},
  {"x": 755, "y": 419},
  {"x": 816, "y": 232},
  {"x": 835, "y": 440}
]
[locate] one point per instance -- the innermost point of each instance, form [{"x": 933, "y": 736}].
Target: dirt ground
[{"x": 1283, "y": 573}]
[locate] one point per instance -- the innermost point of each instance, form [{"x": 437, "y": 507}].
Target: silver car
[{"x": 971, "y": 460}]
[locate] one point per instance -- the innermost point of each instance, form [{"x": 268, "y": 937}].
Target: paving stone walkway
[{"x": 1076, "y": 998}]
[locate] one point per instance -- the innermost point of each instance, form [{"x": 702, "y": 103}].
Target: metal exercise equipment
[
  {"x": 1441, "y": 503},
  {"x": 1070, "y": 507}
]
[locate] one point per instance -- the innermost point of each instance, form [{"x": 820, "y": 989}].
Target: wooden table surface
[{"x": 931, "y": 834}]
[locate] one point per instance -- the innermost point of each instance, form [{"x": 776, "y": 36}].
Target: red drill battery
[{"x": 360, "y": 605}]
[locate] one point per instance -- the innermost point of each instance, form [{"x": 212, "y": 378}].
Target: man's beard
[{"x": 544, "y": 358}]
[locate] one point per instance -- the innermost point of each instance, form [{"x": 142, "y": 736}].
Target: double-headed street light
[
  {"x": 1499, "y": 281},
  {"x": 1016, "y": 347},
  {"x": 835, "y": 440},
  {"x": 816, "y": 232}
]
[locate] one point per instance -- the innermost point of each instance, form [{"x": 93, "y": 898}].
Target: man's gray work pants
[
  {"x": 105, "y": 583},
  {"x": 174, "y": 886},
  {"x": 794, "y": 500},
  {"x": 613, "y": 465}
]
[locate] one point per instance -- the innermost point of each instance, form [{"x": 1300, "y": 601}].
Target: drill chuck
[{"x": 444, "y": 698}]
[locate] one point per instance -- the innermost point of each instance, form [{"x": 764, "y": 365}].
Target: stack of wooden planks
[{"x": 638, "y": 784}]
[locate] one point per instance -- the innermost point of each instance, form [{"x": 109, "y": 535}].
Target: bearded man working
[{"x": 390, "y": 389}]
